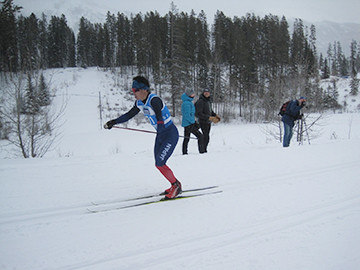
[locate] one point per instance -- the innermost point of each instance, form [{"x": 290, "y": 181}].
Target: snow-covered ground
[{"x": 293, "y": 208}]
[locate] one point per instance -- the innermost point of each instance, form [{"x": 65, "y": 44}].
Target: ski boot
[{"x": 173, "y": 191}]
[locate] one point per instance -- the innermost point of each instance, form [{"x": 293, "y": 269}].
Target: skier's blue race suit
[{"x": 167, "y": 134}]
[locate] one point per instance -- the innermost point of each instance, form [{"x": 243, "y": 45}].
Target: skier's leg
[
  {"x": 163, "y": 151},
  {"x": 167, "y": 173}
]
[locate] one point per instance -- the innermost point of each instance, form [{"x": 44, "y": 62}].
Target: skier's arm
[
  {"x": 127, "y": 116},
  {"x": 157, "y": 105},
  {"x": 123, "y": 118}
]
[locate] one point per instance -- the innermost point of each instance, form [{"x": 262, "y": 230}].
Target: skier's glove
[
  {"x": 110, "y": 124},
  {"x": 214, "y": 119}
]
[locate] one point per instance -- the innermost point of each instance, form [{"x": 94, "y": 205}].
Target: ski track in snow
[{"x": 189, "y": 248}]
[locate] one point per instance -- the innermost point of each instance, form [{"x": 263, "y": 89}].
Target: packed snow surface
[{"x": 280, "y": 208}]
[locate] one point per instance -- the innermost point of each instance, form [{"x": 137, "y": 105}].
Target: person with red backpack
[{"x": 291, "y": 114}]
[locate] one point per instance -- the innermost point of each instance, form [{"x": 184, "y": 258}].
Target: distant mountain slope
[{"x": 328, "y": 32}]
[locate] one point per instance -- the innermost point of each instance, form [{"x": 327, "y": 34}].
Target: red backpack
[{"x": 283, "y": 108}]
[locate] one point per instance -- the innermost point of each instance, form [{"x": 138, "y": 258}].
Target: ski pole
[
  {"x": 148, "y": 131},
  {"x": 302, "y": 131},
  {"x": 307, "y": 133}
]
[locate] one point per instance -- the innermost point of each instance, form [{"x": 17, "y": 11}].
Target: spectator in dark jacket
[
  {"x": 188, "y": 121},
  {"x": 206, "y": 115},
  {"x": 292, "y": 114}
]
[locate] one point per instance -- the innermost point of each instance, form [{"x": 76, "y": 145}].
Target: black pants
[
  {"x": 192, "y": 129},
  {"x": 205, "y": 128}
]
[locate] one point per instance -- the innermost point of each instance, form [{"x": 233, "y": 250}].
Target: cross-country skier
[
  {"x": 292, "y": 113},
  {"x": 167, "y": 134}
]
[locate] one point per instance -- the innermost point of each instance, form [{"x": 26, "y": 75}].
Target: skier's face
[{"x": 140, "y": 94}]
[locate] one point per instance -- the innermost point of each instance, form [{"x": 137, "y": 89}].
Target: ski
[
  {"x": 152, "y": 202},
  {"x": 149, "y": 196}
]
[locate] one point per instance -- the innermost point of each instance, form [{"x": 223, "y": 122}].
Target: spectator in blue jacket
[
  {"x": 188, "y": 121},
  {"x": 292, "y": 114}
]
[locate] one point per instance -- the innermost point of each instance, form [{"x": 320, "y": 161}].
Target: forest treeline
[{"x": 251, "y": 64}]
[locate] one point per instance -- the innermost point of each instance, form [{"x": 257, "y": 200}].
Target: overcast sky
[{"x": 342, "y": 11}]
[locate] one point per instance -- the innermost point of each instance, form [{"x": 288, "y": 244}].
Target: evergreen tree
[
  {"x": 283, "y": 45},
  {"x": 156, "y": 32},
  {"x": 312, "y": 39},
  {"x": 43, "y": 92},
  {"x": 30, "y": 104},
  {"x": 297, "y": 49},
  {"x": 353, "y": 54},
  {"x": 343, "y": 66},
  {"x": 61, "y": 43},
  {"x": 99, "y": 42},
  {"x": 86, "y": 43},
  {"x": 71, "y": 51},
  {"x": 43, "y": 42},
  {"x": 312, "y": 54},
  {"x": 184, "y": 53},
  {"x": 330, "y": 56},
  {"x": 29, "y": 43},
  {"x": 326, "y": 70},
  {"x": 21, "y": 39},
  {"x": 334, "y": 60},
  {"x": 310, "y": 61},
  {"x": 55, "y": 43},
  {"x": 321, "y": 62},
  {"x": 355, "y": 82},
  {"x": 357, "y": 62},
  {"x": 342, "y": 63},
  {"x": 174, "y": 70},
  {"x": 221, "y": 37},
  {"x": 125, "y": 51},
  {"x": 8, "y": 40},
  {"x": 110, "y": 40},
  {"x": 249, "y": 75},
  {"x": 202, "y": 52},
  {"x": 331, "y": 95},
  {"x": 140, "y": 45},
  {"x": 222, "y": 59},
  {"x": 354, "y": 86}
]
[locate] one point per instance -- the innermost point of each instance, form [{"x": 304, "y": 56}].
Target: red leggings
[{"x": 167, "y": 172}]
